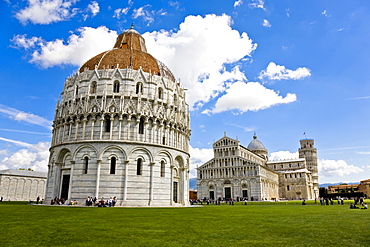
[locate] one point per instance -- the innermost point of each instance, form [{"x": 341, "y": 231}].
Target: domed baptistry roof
[{"x": 121, "y": 129}]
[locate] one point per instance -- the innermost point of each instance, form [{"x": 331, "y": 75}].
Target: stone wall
[{"x": 21, "y": 188}]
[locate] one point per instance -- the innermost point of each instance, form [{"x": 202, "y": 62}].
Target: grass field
[{"x": 225, "y": 225}]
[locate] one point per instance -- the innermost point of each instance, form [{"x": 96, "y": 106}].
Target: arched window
[
  {"x": 93, "y": 87},
  {"x": 107, "y": 124},
  {"x": 163, "y": 171},
  {"x": 139, "y": 88},
  {"x": 160, "y": 93},
  {"x": 116, "y": 87},
  {"x": 141, "y": 126},
  {"x": 139, "y": 166},
  {"x": 164, "y": 140},
  {"x": 86, "y": 165},
  {"x": 113, "y": 165}
]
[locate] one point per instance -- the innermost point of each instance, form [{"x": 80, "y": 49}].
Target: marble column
[
  {"x": 125, "y": 175},
  {"x": 151, "y": 182},
  {"x": 97, "y": 178}
]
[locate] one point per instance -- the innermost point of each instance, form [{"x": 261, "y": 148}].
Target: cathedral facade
[
  {"x": 241, "y": 173},
  {"x": 121, "y": 129}
]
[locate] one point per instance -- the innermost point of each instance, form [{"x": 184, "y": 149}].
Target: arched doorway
[{"x": 63, "y": 172}]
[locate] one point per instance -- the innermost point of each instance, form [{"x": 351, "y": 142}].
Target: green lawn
[{"x": 225, "y": 225}]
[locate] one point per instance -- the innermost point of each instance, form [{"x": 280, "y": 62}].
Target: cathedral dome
[
  {"x": 255, "y": 144},
  {"x": 129, "y": 51}
]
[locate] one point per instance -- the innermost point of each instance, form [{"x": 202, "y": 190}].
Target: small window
[
  {"x": 76, "y": 90},
  {"x": 164, "y": 140},
  {"x": 93, "y": 87},
  {"x": 287, "y": 188},
  {"x": 282, "y": 166},
  {"x": 124, "y": 45},
  {"x": 116, "y": 87},
  {"x": 86, "y": 165},
  {"x": 139, "y": 88},
  {"x": 139, "y": 166},
  {"x": 107, "y": 124},
  {"x": 160, "y": 93},
  {"x": 141, "y": 126},
  {"x": 175, "y": 99},
  {"x": 163, "y": 171},
  {"x": 113, "y": 165}
]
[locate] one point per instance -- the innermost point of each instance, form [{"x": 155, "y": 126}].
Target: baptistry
[{"x": 121, "y": 129}]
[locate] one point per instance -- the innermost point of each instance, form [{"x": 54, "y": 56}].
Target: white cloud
[
  {"x": 25, "y": 131},
  {"x": 143, "y": 13},
  {"x": 238, "y": 3},
  {"x": 288, "y": 12},
  {"x": 93, "y": 8},
  {"x": 251, "y": 96},
  {"x": 203, "y": 54},
  {"x": 21, "y": 40},
  {"x": 175, "y": 4},
  {"x": 325, "y": 13},
  {"x": 279, "y": 72},
  {"x": 244, "y": 128},
  {"x": 77, "y": 50},
  {"x": 18, "y": 143},
  {"x": 357, "y": 98},
  {"x": 119, "y": 12},
  {"x": 198, "y": 156},
  {"x": 25, "y": 117},
  {"x": 47, "y": 11},
  {"x": 331, "y": 168},
  {"x": 266, "y": 23},
  {"x": 283, "y": 155},
  {"x": 258, "y": 4},
  {"x": 35, "y": 156}
]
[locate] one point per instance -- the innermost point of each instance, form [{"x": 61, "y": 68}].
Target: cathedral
[
  {"x": 121, "y": 129},
  {"x": 239, "y": 173}
]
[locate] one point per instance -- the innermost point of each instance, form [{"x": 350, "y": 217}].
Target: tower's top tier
[
  {"x": 307, "y": 143},
  {"x": 129, "y": 51}
]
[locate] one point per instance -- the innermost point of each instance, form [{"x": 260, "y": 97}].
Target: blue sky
[{"x": 277, "y": 68}]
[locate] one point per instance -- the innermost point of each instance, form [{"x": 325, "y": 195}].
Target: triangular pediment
[{"x": 226, "y": 141}]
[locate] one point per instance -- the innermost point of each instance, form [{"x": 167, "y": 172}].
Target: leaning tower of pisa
[{"x": 309, "y": 152}]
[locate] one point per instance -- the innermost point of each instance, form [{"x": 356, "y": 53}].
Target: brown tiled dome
[{"x": 129, "y": 51}]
